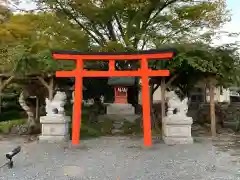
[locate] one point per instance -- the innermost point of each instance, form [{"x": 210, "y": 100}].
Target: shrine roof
[
  {"x": 152, "y": 51},
  {"x": 127, "y": 81}
]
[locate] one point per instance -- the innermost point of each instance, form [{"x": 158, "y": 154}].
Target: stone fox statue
[
  {"x": 56, "y": 106},
  {"x": 174, "y": 103}
]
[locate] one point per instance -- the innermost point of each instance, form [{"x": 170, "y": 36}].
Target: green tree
[
  {"x": 126, "y": 25},
  {"x": 30, "y": 37},
  {"x": 217, "y": 66},
  {"x": 142, "y": 24},
  {"x": 26, "y": 41},
  {"x": 135, "y": 25}
]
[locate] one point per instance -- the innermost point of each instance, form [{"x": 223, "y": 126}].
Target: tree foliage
[
  {"x": 125, "y": 25},
  {"x": 26, "y": 41},
  {"x": 201, "y": 62},
  {"x": 121, "y": 25},
  {"x": 142, "y": 24}
]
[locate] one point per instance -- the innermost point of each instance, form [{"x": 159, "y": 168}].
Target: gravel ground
[{"x": 119, "y": 158}]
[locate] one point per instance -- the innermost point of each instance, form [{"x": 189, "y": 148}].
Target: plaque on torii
[{"x": 144, "y": 73}]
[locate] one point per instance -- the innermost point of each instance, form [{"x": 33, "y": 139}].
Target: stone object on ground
[
  {"x": 119, "y": 113},
  {"x": 178, "y": 130},
  {"x": 118, "y": 121},
  {"x": 175, "y": 104},
  {"x": 117, "y": 127},
  {"x": 123, "y": 109},
  {"x": 177, "y": 127},
  {"x": 54, "y": 128},
  {"x": 21, "y": 129},
  {"x": 56, "y": 105},
  {"x": 120, "y": 107},
  {"x": 117, "y": 124},
  {"x": 117, "y": 131},
  {"x": 55, "y": 123}
]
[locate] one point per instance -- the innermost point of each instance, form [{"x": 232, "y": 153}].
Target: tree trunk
[
  {"x": 1, "y": 82},
  {"x": 212, "y": 109},
  {"x": 22, "y": 101},
  {"x": 50, "y": 89},
  {"x": 153, "y": 118},
  {"x": 163, "y": 88},
  {"x": 205, "y": 93},
  {"x": 50, "y": 86},
  {"x": 37, "y": 109}
]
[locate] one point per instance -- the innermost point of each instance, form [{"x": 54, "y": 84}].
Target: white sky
[{"x": 234, "y": 25}]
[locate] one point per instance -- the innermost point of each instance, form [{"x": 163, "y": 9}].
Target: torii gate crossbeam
[{"x": 144, "y": 72}]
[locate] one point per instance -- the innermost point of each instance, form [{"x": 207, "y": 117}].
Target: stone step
[
  {"x": 119, "y": 118},
  {"x": 117, "y": 131},
  {"x": 124, "y": 109},
  {"x": 117, "y": 125}
]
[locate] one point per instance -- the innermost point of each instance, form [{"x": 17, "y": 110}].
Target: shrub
[
  {"x": 6, "y": 126},
  {"x": 11, "y": 115}
]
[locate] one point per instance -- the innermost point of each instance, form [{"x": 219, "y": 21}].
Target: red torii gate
[{"x": 144, "y": 72}]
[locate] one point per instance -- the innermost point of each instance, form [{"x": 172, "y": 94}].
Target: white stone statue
[
  {"x": 174, "y": 103},
  {"x": 102, "y": 99},
  {"x": 56, "y": 106}
]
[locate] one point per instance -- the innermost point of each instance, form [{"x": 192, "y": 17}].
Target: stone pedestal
[
  {"x": 54, "y": 128},
  {"x": 121, "y": 109},
  {"x": 177, "y": 129}
]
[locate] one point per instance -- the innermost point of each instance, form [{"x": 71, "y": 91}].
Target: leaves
[
  {"x": 139, "y": 24},
  {"x": 121, "y": 25},
  {"x": 26, "y": 41},
  {"x": 197, "y": 61}
]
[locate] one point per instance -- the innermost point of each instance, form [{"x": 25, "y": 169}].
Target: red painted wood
[
  {"x": 120, "y": 97},
  {"x": 143, "y": 72}
]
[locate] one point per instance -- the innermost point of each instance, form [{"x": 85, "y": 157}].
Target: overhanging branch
[
  {"x": 171, "y": 80},
  {"x": 119, "y": 25},
  {"x": 158, "y": 12},
  {"x": 69, "y": 14},
  {"x": 43, "y": 82},
  {"x": 5, "y": 83},
  {"x": 111, "y": 31}
]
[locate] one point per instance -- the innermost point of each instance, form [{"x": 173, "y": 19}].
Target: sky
[{"x": 233, "y": 26}]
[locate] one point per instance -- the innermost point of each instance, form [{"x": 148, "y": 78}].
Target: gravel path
[{"x": 119, "y": 158}]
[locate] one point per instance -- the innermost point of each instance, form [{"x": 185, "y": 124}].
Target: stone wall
[
  {"x": 227, "y": 115},
  {"x": 232, "y": 116}
]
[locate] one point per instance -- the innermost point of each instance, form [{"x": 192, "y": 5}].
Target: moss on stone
[
  {"x": 106, "y": 126},
  {"x": 131, "y": 128}
]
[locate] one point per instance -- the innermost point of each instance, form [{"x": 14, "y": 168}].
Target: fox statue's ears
[
  {"x": 47, "y": 100},
  {"x": 185, "y": 100}
]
